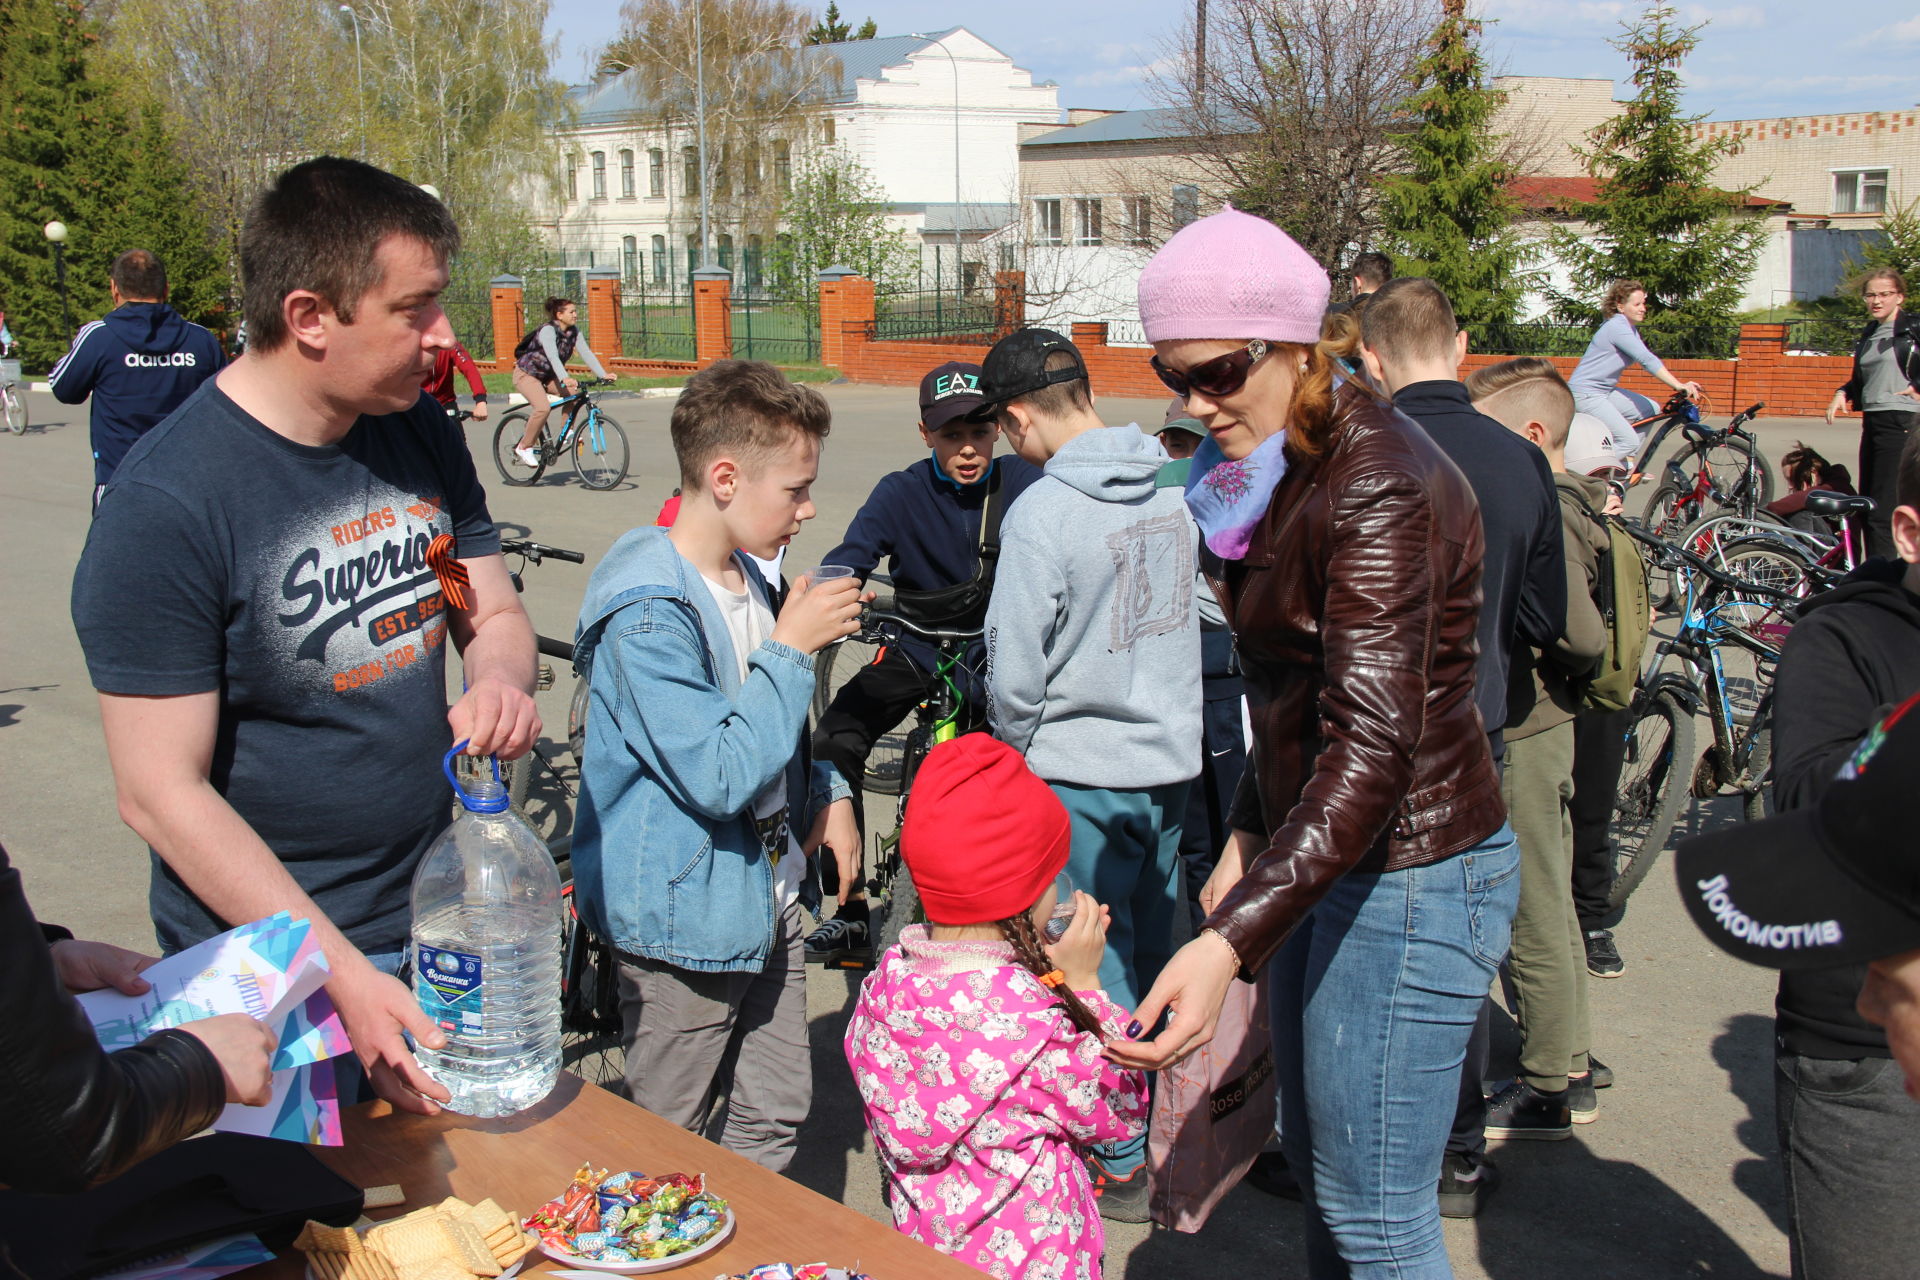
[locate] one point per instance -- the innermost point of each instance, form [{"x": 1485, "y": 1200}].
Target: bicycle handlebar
[
  {"x": 879, "y": 613},
  {"x": 537, "y": 551}
]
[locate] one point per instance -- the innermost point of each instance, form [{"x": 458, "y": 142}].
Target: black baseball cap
[
  {"x": 950, "y": 391},
  {"x": 1017, "y": 366},
  {"x": 1833, "y": 884}
]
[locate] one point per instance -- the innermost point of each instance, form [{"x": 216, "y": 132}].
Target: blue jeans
[
  {"x": 1619, "y": 409},
  {"x": 1126, "y": 853},
  {"x": 1374, "y": 997}
]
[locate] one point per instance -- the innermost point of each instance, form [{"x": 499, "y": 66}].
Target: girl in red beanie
[{"x": 977, "y": 1046}]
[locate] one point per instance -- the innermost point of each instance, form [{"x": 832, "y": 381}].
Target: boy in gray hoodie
[{"x": 1093, "y": 662}]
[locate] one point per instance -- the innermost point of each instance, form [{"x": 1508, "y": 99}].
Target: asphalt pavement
[{"x": 1678, "y": 1178}]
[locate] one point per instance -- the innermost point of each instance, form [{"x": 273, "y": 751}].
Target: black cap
[
  {"x": 950, "y": 391},
  {"x": 1017, "y": 366},
  {"x": 1837, "y": 883}
]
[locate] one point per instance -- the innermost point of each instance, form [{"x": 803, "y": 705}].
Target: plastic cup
[
  {"x": 828, "y": 573},
  {"x": 1063, "y": 909}
]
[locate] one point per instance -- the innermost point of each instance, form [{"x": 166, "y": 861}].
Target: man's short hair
[
  {"x": 1409, "y": 319},
  {"x": 1522, "y": 390},
  {"x": 139, "y": 275},
  {"x": 318, "y": 228},
  {"x": 1906, "y": 479},
  {"x": 743, "y": 409},
  {"x": 1372, "y": 269},
  {"x": 1060, "y": 400}
]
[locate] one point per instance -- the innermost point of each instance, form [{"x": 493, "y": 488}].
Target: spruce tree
[
  {"x": 1447, "y": 212},
  {"x": 1658, "y": 217}
]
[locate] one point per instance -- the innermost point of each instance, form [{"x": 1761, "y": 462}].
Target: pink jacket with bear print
[{"x": 982, "y": 1094}]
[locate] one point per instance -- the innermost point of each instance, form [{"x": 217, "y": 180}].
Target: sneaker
[
  {"x": 1121, "y": 1199},
  {"x": 1582, "y": 1106},
  {"x": 1602, "y": 1073},
  {"x": 1269, "y": 1173},
  {"x": 833, "y": 938},
  {"x": 529, "y": 456},
  {"x": 1522, "y": 1111},
  {"x": 1466, "y": 1184},
  {"x": 1603, "y": 958}
]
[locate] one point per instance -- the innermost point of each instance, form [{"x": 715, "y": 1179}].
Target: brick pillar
[
  {"x": 1009, "y": 302},
  {"x": 509, "y": 316},
  {"x": 603, "y": 313},
  {"x": 846, "y": 317},
  {"x": 1763, "y": 349},
  {"x": 1089, "y": 333},
  {"x": 712, "y": 315}
]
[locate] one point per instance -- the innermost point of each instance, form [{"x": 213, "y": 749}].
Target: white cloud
[
  {"x": 1135, "y": 74},
  {"x": 1907, "y": 32}
]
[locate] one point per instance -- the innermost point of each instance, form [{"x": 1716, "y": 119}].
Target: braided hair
[{"x": 1032, "y": 955}]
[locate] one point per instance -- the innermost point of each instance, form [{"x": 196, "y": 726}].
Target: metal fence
[
  {"x": 657, "y": 330},
  {"x": 775, "y": 329},
  {"x": 470, "y": 310},
  {"x": 1544, "y": 338},
  {"x": 908, "y": 315},
  {"x": 1822, "y": 336}
]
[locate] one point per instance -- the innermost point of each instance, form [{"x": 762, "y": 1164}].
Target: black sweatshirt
[
  {"x": 1853, "y": 655},
  {"x": 1523, "y": 578}
]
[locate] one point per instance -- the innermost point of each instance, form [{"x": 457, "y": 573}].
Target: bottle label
[{"x": 447, "y": 984}]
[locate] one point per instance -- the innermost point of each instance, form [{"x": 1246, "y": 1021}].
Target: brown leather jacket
[{"x": 1353, "y": 613}]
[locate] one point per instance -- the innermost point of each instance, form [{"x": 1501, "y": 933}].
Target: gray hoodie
[{"x": 1093, "y": 650}]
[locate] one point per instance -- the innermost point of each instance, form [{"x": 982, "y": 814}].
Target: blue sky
[{"x": 1762, "y": 58}]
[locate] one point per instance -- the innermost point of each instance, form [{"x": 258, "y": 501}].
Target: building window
[
  {"x": 826, "y": 130},
  {"x": 1139, "y": 220},
  {"x": 1086, "y": 221},
  {"x": 626, "y": 175},
  {"x": 1860, "y": 191},
  {"x": 782, "y": 166},
  {"x": 726, "y": 253},
  {"x": 690, "y": 166},
  {"x": 656, "y": 172},
  {"x": 1046, "y": 222},
  {"x": 573, "y": 177},
  {"x": 599, "y": 175},
  {"x": 629, "y": 258},
  {"x": 1186, "y": 204},
  {"x": 659, "y": 257}
]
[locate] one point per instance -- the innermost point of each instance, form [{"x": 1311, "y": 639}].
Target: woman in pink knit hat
[{"x": 1370, "y": 859}]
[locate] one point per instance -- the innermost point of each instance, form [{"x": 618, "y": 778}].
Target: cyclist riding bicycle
[
  {"x": 1595, "y": 381},
  {"x": 933, "y": 523},
  {"x": 540, "y": 369},
  {"x": 439, "y": 383}
]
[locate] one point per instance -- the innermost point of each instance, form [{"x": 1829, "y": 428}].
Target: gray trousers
[
  {"x": 1850, "y": 1150},
  {"x": 1549, "y": 957},
  {"x": 695, "y": 1039}
]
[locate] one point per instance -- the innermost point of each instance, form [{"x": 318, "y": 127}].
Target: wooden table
[{"x": 522, "y": 1161}]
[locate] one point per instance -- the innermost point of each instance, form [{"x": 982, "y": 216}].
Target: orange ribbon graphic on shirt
[{"x": 454, "y": 582}]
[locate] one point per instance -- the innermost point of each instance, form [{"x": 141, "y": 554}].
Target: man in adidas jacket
[{"x": 138, "y": 363}]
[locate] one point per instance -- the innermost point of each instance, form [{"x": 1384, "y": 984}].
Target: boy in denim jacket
[{"x": 697, "y": 784}]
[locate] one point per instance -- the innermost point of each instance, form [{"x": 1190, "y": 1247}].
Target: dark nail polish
[{"x": 1134, "y": 1029}]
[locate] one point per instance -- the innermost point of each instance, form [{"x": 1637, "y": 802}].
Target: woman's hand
[
  {"x": 1081, "y": 948},
  {"x": 572, "y": 386},
  {"x": 244, "y": 1049},
  {"x": 1241, "y": 848},
  {"x": 1194, "y": 985},
  {"x": 91, "y": 966},
  {"x": 1836, "y": 406},
  {"x": 1691, "y": 388}
]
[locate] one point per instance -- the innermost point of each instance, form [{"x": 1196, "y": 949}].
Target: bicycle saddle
[{"x": 1823, "y": 502}]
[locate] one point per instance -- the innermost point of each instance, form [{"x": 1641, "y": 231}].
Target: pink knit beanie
[{"x": 1233, "y": 275}]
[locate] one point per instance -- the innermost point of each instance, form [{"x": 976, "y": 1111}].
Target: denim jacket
[{"x": 666, "y": 862}]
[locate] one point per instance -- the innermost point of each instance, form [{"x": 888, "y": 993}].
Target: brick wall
[{"x": 603, "y": 302}]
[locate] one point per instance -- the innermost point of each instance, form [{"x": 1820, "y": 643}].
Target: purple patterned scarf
[{"x": 1228, "y": 498}]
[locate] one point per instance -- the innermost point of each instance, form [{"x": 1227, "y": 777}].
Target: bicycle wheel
[
  {"x": 1653, "y": 787},
  {"x": 513, "y": 425},
  {"x": 1727, "y": 461},
  {"x": 15, "y": 406},
  {"x": 577, "y": 722},
  {"x": 832, "y": 668},
  {"x": 590, "y": 1003},
  {"x": 1669, "y": 509},
  {"x": 600, "y": 454}
]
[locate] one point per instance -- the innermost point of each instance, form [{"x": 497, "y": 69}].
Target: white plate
[{"x": 718, "y": 1238}]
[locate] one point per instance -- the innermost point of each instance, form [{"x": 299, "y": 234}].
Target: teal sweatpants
[{"x": 1126, "y": 853}]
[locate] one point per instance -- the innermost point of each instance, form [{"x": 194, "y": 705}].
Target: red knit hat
[{"x": 984, "y": 837}]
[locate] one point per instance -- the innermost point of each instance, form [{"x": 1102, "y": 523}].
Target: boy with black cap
[
  {"x": 1093, "y": 649},
  {"x": 1849, "y": 1142},
  {"x": 936, "y": 525}
]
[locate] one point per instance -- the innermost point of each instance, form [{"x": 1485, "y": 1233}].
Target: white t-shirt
[{"x": 749, "y": 623}]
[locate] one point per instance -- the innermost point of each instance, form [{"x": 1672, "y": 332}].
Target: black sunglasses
[{"x": 1220, "y": 376}]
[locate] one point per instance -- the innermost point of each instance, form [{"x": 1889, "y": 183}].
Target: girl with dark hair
[
  {"x": 976, "y": 1044},
  {"x": 540, "y": 369},
  {"x": 1595, "y": 381},
  {"x": 1885, "y": 389}
]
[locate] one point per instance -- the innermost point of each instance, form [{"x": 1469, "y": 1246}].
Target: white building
[{"x": 935, "y": 119}]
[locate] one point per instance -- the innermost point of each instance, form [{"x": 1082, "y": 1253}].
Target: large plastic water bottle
[{"x": 486, "y": 954}]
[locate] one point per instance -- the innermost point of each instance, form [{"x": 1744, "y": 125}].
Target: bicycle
[
  {"x": 520, "y": 772},
  {"x": 1661, "y": 772},
  {"x": 833, "y": 667},
  {"x": 597, "y": 443},
  {"x": 1740, "y": 483},
  {"x": 13, "y": 405},
  {"x": 895, "y": 903}
]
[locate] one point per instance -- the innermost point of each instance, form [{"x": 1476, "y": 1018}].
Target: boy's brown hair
[
  {"x": 1409, "y": 319},
  {"x": 743, "y": 409},
  {"x": 1524, "y": 389},
  {"x": 1061, "y": 399}
]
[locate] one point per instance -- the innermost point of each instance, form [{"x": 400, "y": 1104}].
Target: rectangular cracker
[
  {"x": 414, "y": 1239},
  {"x": 514, "y": 1250},
  {"x": 368, "y": 1266},
  {"x": 454, "y": 1207},
  {"x": 488, "y": 1216},
  {"x": 318, "y": 1237},
  {"x": 328, "y": 1266},
  {"x": 474, "y": 1253},
  {"x": 432, "y": 1269},
  {"x": 384, "y": 1197}
]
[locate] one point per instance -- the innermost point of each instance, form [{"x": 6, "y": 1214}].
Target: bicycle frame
[{"x": 1703, "y": 634}]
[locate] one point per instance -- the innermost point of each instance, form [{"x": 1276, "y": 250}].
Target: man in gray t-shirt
[{"x": 1885, "y": 388}]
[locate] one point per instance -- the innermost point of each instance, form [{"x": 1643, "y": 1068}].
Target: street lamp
[
  {"x": 700, "y": 128},
  {"x": 958, "y": 280},
  {"x": 360, "y": 73},
  {"x": 56, "y": 233}
]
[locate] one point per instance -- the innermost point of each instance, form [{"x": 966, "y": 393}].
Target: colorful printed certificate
[{"x": 271, "y": 970}]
